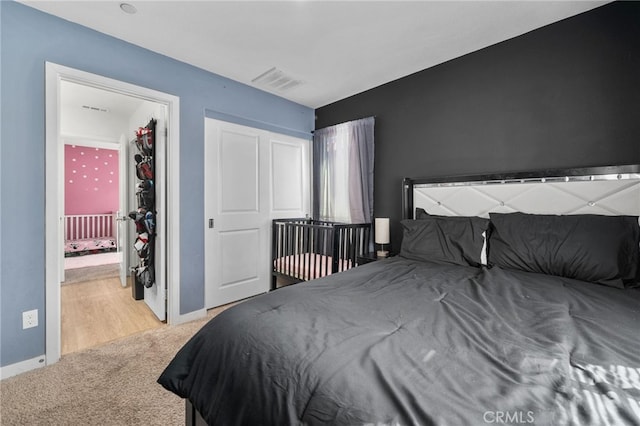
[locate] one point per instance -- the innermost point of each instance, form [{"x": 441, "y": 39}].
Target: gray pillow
[
  {"x": 453, "y": 240},
  {"x": 594, "y": 248}
]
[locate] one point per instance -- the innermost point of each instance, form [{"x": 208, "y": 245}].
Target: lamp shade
[{"x": 382, "y": 230}]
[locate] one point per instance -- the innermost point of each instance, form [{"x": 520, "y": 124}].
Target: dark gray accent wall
[{"x": 565, "y": 95}]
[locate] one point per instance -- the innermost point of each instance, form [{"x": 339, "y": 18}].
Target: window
[{"x": 343, "y": 172}]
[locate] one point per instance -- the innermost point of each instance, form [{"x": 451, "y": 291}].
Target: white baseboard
[
  {"x": 191, "y": 316},
  {"x": 22, "y": 367}
]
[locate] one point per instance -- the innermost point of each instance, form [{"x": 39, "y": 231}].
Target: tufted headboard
[{"x": 611, "y": 190}]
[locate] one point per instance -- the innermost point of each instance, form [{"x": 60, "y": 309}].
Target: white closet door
[{"x": 244, "y": 168}]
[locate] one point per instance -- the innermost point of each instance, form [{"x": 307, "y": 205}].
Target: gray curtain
[{"x": 343, "y": 157}]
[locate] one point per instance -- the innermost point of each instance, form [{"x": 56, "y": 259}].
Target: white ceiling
[{"x": 335, "y": 48}]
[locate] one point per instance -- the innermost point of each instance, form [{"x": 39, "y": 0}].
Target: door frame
[{"x": 54, "y": 204}]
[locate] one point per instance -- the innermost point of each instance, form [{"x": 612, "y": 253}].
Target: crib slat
[
  {"x": 281, "y": 246},
  {"x": 320, "y": 248},
  {"x": 296, "y": 249},
  {"x": 275, "y": 263},
  {"x": 337, "y": 246},
  {"x": 329, "y": 238},
  {"x": 352, "y": 248},
  {"x": 307, "y": 253},
  {"x": 343, "y": 248},
  {"x": 288, "y": 248}
]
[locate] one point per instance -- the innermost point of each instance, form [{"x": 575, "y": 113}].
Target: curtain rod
[{"x": 345, "y": 122}]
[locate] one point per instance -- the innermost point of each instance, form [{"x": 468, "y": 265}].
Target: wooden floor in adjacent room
[{"x": 98, "y": 311}]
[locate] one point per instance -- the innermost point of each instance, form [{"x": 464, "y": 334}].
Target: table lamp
[{"x": 382, "y": 235}]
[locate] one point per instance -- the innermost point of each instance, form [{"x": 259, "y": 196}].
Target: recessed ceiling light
[{"x": 128, "y": 8}]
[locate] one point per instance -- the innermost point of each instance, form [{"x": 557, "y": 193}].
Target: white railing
[{"x": 86, "y": 226}]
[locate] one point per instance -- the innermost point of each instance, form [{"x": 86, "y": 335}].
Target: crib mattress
[{"x": 307, "y": 266}]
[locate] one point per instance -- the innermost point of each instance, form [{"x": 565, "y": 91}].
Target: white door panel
[
  {"x": 236, "y": 249},
  {"x": 287, "y": 184},
  {"x": 239, "y": 159},
  {"x": 121, "y": 223},
  {"x": 156, "y": 296},
  {"x": 129, "y": 251},
  {"x": 240, "y": 268},
  {"x": 290, "y": 177},
  {"x": 239, "y": 251},
  {"x": 249, "y": 174},
  {"x": 121, "y": 245}
]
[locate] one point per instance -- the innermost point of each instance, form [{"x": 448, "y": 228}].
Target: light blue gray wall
[{"x": 28, "y": 39}]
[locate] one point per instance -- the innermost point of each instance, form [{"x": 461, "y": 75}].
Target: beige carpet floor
[{"x": 113, "y": 384}]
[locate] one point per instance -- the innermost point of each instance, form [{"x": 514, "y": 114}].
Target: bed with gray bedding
[{"x": 544, "y": 329}]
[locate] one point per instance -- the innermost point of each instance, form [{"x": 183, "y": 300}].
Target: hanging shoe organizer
[{"x": 145, "y": 216}]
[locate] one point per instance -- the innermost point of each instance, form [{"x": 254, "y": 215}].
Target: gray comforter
[{"x": 416, "y": 343}]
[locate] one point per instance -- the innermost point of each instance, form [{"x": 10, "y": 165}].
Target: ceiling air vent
[{"x": 275, "y": 79}]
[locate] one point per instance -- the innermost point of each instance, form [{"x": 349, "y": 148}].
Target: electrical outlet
[{"x": 30, "y": 319}]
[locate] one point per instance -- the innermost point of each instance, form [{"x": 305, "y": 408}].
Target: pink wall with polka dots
[{"x": 91, "y": 180}]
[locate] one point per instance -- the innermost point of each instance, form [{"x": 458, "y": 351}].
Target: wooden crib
[
  {"x": 89, "y": 234},
  {"x": 305, "y": 249}
]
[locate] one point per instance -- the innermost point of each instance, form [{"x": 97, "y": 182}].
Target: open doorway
[
  {"x": 166, "y": 106},
  {"x": 96, "y": 126}
]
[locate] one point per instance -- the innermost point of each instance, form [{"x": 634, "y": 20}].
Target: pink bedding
[{"x": 89, "y": 245}]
